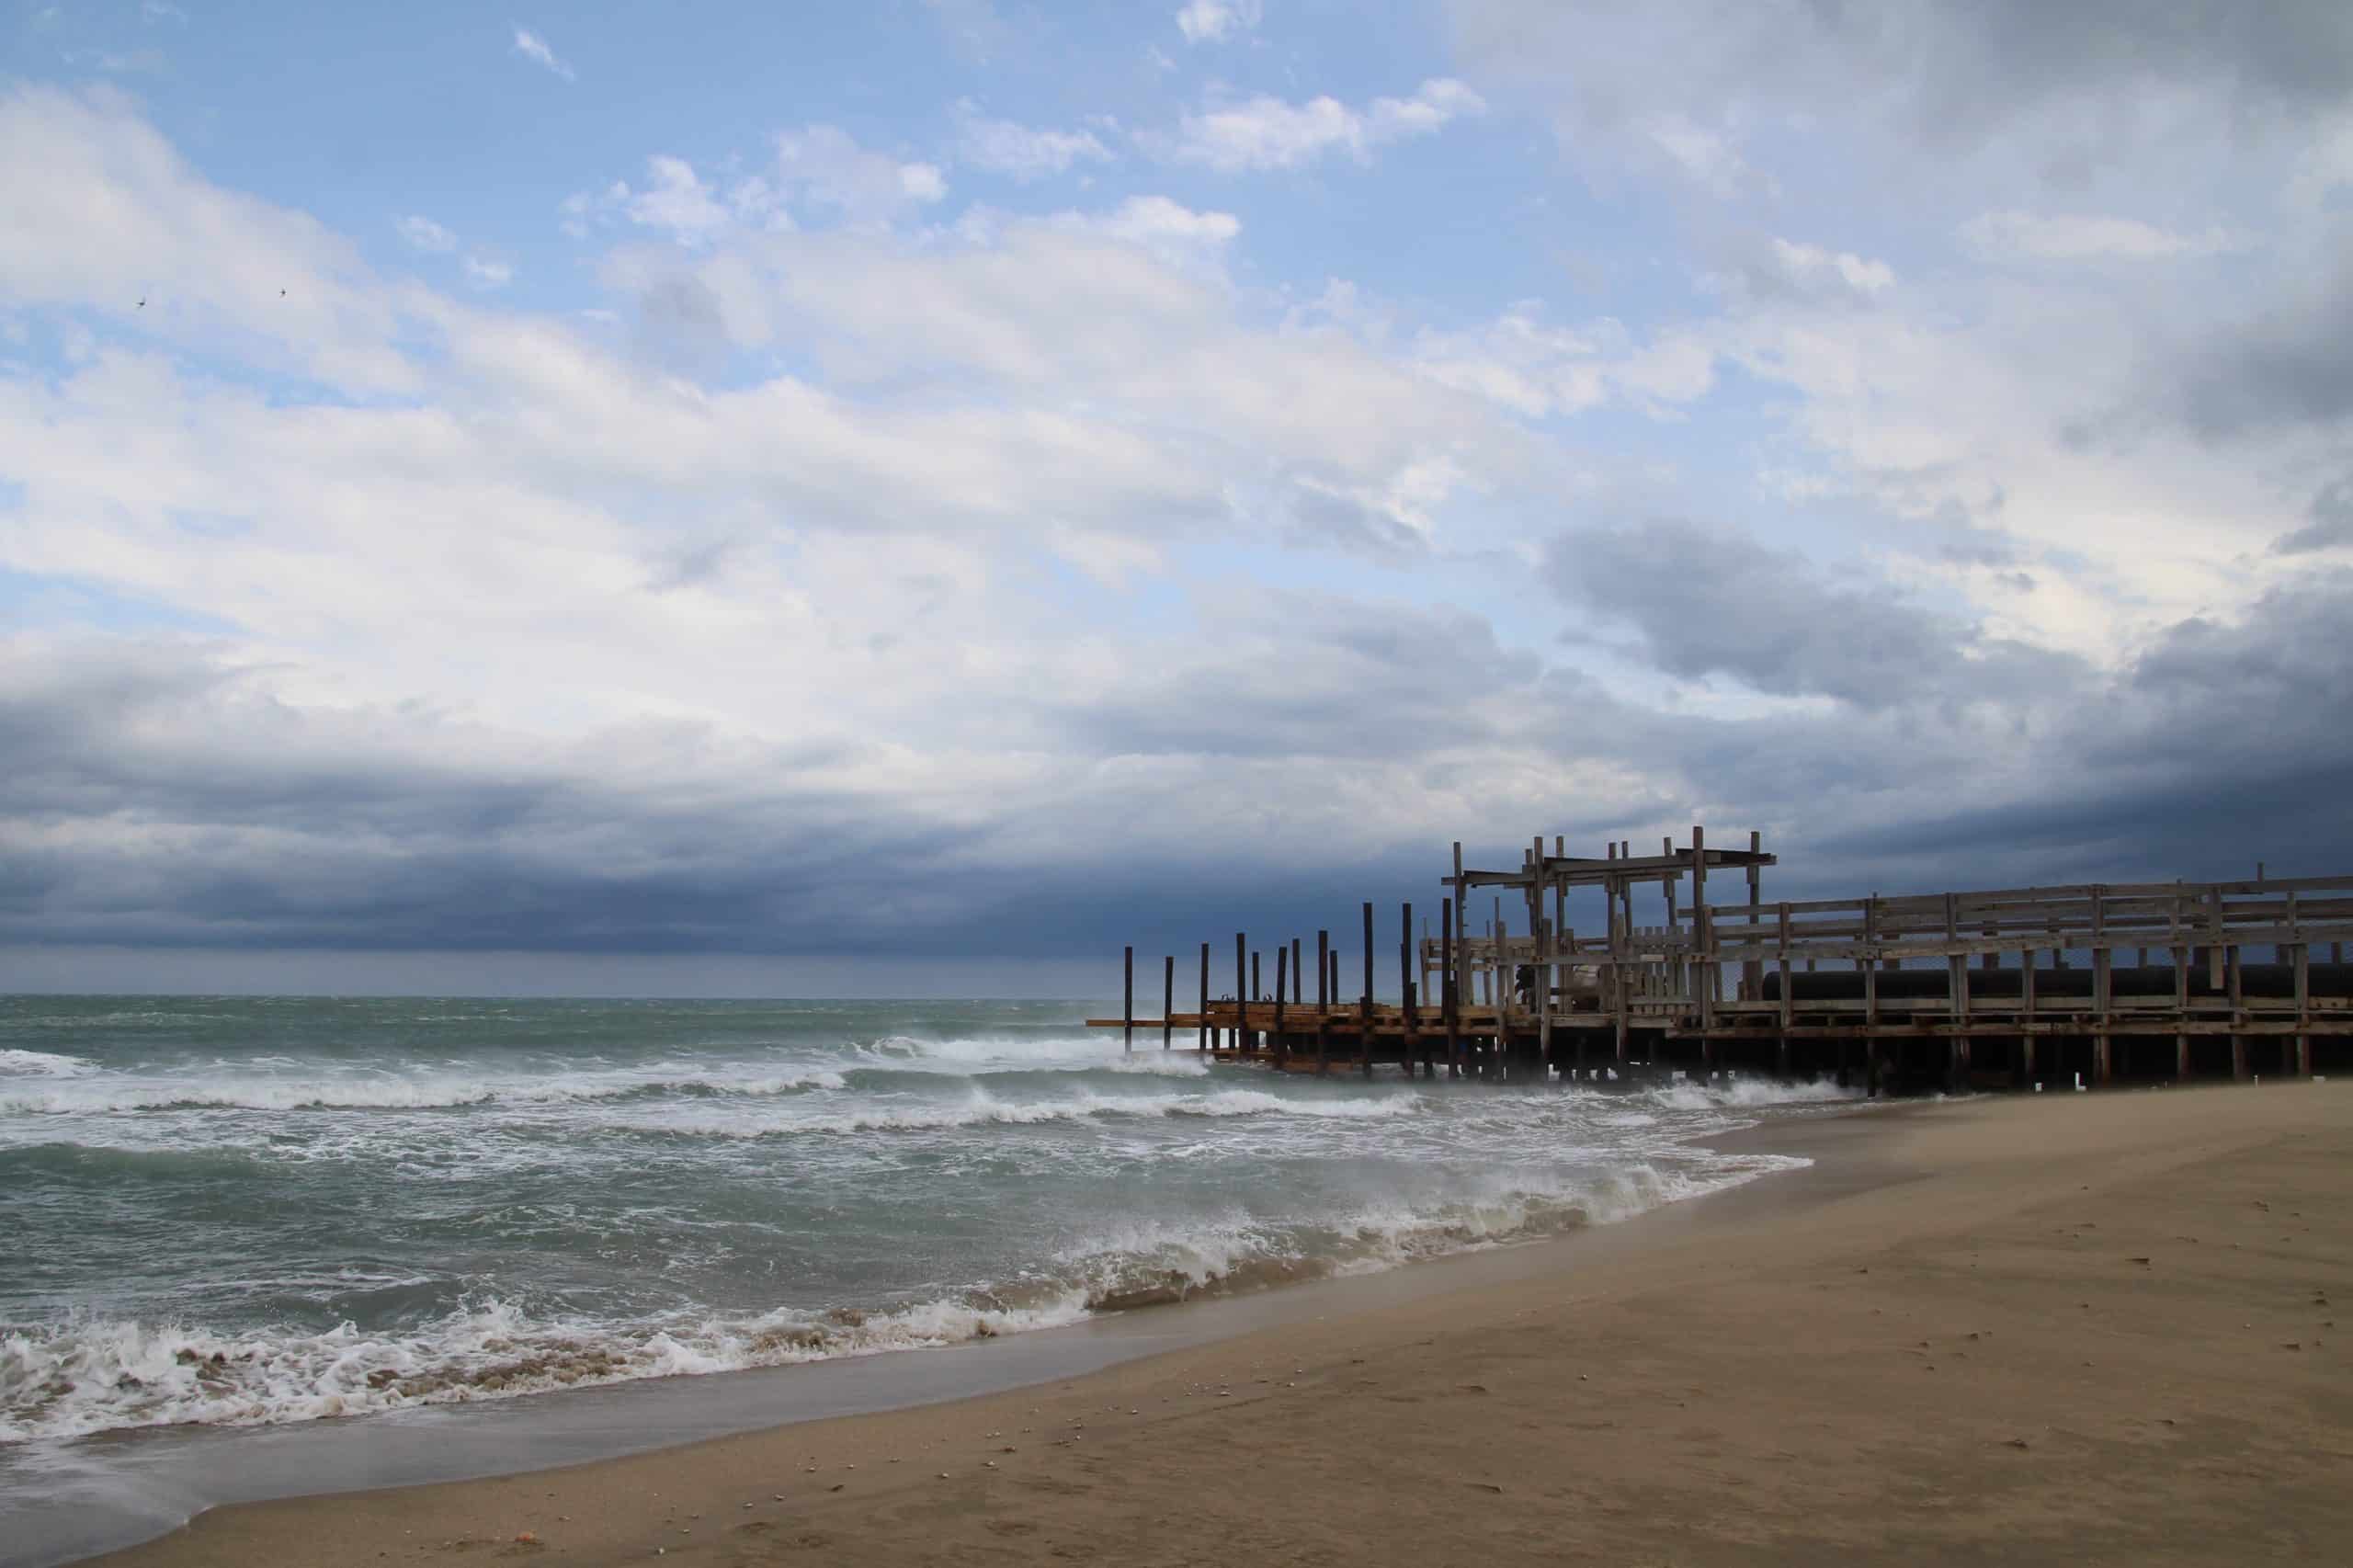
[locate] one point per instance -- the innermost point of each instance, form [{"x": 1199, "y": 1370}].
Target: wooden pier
[{"x": 2013, "y": 987}]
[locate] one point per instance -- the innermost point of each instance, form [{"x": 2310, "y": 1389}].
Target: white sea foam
[
  {"x": 981, "y": 1053},
  {"x": 385, "y": 1092},
  {"x": 90, "y": 1375},
  {"x": 94, "y": 1376},
  {"x": 44, "y": 1064},
  {"x": 1744, "y": 1094},
  {"x": 981, "y": 1109}
]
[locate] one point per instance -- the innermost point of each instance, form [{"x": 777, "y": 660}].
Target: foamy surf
[
  {"x": 43, "y": 1064},
  {"x": 379, "y": 1204},
  {"x": 86, "y": 1375}
]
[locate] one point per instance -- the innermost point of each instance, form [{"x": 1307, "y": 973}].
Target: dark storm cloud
[
  {"x": 2298, "y": 50},
  {"x": 157, "y": 804},
  {"x": 2289, "y": 365},
  {"x": 1291, "y": 676},
  {"x": 1711, "y": 602},
  {"x": 1958, "y": 67},
  {"x": 2332, "y": 524}
]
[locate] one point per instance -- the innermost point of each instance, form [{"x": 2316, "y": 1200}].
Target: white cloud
[
  {"x": 819, "y": 169},
  {"x": 1267, "y": 132},
  {"x": 485, "y": 273},
  {"x": 1709, "y": 158},
  {"x": 1148, "y": 218},
  {"x": 1537, "y": 369},
  {"x": 1214, "y": 21},
  {"x": 1004, "y": 147},
  {"x": 425, "y": 235},
  {"x": 677, "y": 201},
  {"x": 1809, "y": 265},
  {"x": 123, "y": 218},
  {"x": 533, "y": 47},
  {"x": 2012, "y": 235},
  {"x": 821, "y": 166},
  {"x": 1172, "y": 232},
  {"x": 589, "y": 577}
]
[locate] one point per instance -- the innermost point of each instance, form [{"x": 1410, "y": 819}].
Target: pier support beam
[
  {"x": 1241, "y": 985},
  {"x": 1201, "y": 1041},
  {"x": 1324, "y": 996}
]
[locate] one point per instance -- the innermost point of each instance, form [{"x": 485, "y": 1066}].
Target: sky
[{"x": 908, "y": 498}]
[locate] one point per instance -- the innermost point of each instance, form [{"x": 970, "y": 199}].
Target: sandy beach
[{"x": 2082, "y": 1328}]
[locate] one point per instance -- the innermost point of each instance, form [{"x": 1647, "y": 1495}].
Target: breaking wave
[
  {"x": 90, "y": 1375},
  {"x": 44, "y": 1064},
  {"x": 981, "y": 1109},
  {"x": 388, "y": 1093}
]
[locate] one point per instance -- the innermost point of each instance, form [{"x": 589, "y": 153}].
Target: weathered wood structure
[{"x": 2084, "y": 986}]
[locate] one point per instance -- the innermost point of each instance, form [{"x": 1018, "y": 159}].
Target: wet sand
[{"x": 2055, "y": 1328}]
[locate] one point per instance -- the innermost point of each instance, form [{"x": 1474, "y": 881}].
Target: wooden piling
[
  {"x": 2235, "y": 981},
  {"x": 1448, "y": 1007},
  {"x": 1407, "y": 1026},
  {"x": 1866, "y": 959},
  {"x": 2103, "y": 993},
  {"x": 2181, "y": 1013},
  {"x": 1675, "y": 982},
  {"x": 1781, "y": 1018},
  {"x": 2303, "y": 1065},
  {"x": 1282, "y": 964},
  {"x": 1752, "y": 971},
  {"x": 2025, "y": 1016},
  {"x": 1241, "y": 987},
  {"x": 1298, "y": 976},
  {"x": 1326, "y": 978},
  {"x": 1202, "y": 1039}
]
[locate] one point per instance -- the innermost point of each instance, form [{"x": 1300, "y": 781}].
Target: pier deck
[{"x": 2006, "y": 987}]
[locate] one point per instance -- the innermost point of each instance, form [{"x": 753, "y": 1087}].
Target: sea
[{"x": 264, "y": 1211}]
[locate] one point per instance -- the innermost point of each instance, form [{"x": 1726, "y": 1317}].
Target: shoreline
[
  {"x": 140, "y": 1484},
  {"x": 2079, "y": 1328},
  {"x": 1968, "y": 1329}
]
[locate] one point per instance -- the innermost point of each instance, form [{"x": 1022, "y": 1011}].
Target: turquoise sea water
[{"x": 269, "y": 1210}]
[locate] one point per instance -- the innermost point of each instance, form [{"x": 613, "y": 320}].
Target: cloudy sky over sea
[{"x": 730, "y": 496}]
